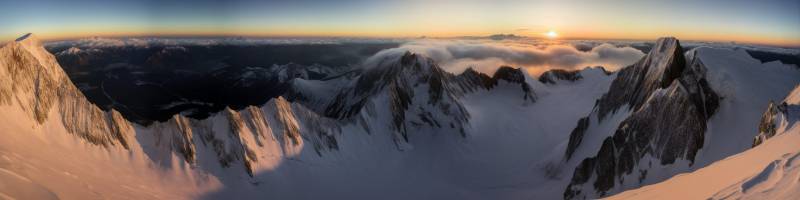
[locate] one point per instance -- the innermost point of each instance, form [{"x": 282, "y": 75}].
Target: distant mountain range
[{"x": 399, "y": 127}]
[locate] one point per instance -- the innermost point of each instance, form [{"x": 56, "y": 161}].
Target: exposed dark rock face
[
  {"x": 576, "y": 136},
  {"x": 671, "y": 103},
  {"x": 786, "y": 112},
  {"x": 635, "y": 83},
  {"x": 551, "y": 76},
  {"x": 513, "y": 75},
  {"x": 471, "y": 80},
  {"x": 767, "y": 126}
]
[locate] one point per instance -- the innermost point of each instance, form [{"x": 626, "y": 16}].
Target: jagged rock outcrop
[
  {"x": 777, "y": 116},
  {"x": 576, "y": 136},
  {"x": 291, "y": 129},
  {"x": 635, "y": 83},
  {"x": 551, "y": 76},
  {"x": 767, "y": 126},
  {"x": 671, "y": 103}
]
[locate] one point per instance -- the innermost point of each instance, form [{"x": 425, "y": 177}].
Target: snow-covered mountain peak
[
  {"x": 400, "y": 119},
  {"x": 31, "y": 44},
  {"x": 33, "y": 81},
  {"x": 663, "y": 64},
  {"x": 665, "y": 61},
  {"x": 662, "y": 90}
]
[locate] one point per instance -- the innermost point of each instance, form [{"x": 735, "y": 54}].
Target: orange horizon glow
[
  {"x": 767, "y": 22},
  {"x": 561, "y": 35}
]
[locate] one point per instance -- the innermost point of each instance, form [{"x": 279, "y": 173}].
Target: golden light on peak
[{"x": 551, "y": 34}]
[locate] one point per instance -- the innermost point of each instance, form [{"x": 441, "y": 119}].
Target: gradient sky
[{"x": 775, "y": 22}]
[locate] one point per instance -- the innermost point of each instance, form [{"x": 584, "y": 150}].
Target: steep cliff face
[
  {"x": 34, "y": 81},
  {"x": 635, "y": 83},
  {"x": 671, "y": 104}
]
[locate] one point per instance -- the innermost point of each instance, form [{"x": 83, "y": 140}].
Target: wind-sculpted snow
[{"x": 669, "y": 124}]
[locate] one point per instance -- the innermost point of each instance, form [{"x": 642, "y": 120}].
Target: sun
[{"x": 551, "y": 34}]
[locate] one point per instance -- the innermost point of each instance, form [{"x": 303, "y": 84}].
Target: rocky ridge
[{"x": 671, "y": 103}]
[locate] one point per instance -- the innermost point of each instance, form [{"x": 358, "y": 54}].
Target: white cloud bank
[{"x": 486, "y": 56}]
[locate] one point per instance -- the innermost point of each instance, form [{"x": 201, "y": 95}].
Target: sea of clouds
[{"x": 534, "y": 55}]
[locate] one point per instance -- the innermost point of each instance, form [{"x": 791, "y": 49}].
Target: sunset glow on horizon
[{"x": 772, "y": 22}]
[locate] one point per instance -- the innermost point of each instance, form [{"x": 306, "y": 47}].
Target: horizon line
[{"x": 310, "y": 36}]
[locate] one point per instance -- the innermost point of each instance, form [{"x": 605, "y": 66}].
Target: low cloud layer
[{"x": 486, "y": 56}]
